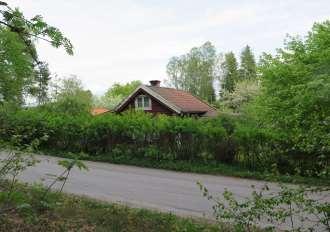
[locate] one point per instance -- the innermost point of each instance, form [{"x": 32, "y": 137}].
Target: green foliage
[
  {"x": 60, "y": 212},
  {"x": 22, "y": 73},
  {"x": 69, "y": 164},
  {"x": 41, "y": 86},
  {"x": 70, "y": 98},
  {"x": 230, "y": 73},
  {"x": 133, "y": 134},
  {"x": 295, "y": 98},
  {"x": 115, "y": 94},
  {"x": 36, "y": 27},
  {"x": 122, "y": 90},
  {"x": 248, "y": 68},
  {"x": 15, "y": 67},
  {"x": 195, "y": 71},
  {"x": 10, "y": 167},
  {"x": 235, "y": 101},
  {"x": 157, "y": 141},
  {"x": 12, "y": 164},
  {"x": 298, "y": 206}
]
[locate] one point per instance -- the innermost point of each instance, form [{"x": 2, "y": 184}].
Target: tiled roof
[
  {"x": 98, "y": 111},
  {"x": 184, "y": 100}
]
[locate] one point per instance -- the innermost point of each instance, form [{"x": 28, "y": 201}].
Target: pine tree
[
  {"x": 230, "y": 73},
  {"x": 248, "y": 69}
]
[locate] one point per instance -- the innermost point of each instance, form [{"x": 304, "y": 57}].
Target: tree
[
  {"x": 230, "y": 73},
  {"x": 248, "y": 69},
  {"x": 244, "y": 92},
  {"x": 295, "y": 96},
  {"x": 15, "y": 67},
  {"x": 41, "y": 88},
  {"x": 195, "y": 71},
  {"x": 71, "y": 97},
  {"x": 124, "y": 90},
  {"x": 21, "y": 71},
  {"x": 115, "y": 94}
]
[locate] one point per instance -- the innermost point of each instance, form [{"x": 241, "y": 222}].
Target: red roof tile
[
  {"x": 184, "y": 100},
  {"x": 98, "y": 111}
]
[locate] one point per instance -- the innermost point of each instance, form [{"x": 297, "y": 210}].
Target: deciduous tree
[
  {"x": 71, "y": 97},
  {"x": 21, "y": 71},
  {"x": 295, "y": 96},
  {"x": 195, "y": 71},
  {"x": 116, "y": 93}
]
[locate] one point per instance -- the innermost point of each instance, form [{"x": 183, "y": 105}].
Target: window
[{"x": 143, "y": 102}]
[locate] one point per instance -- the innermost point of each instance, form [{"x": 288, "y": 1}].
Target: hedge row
[{"x": 224, "y": 139}]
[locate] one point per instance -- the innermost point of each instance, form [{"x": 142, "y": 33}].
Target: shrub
[
  {"x": 294, "y": 100},
  {"x": 226, "y": 139}
]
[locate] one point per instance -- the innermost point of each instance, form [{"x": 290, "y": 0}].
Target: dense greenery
[
  {"x": 279, "y": 124},
  {"x": 230, "y": 73},
  {"x": 295, "y": 97},
  {"x": 226, "y": 139},
  {"x": 238, "y": 83},
  {"x": 195, "y": 71},
  {"x": 242, "y": 95},
  {"x": 22, "y": 73},
  {"x": 116, "y": 93},
  {"x": 202, "y": 68},
  {"x": 248, "y": 67},
  {"x": 69, "y": 97}
]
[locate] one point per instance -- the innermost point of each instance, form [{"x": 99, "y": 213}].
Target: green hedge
[
  {"x": 225, "y": 139},
  {"x": 160, "y": 137}
]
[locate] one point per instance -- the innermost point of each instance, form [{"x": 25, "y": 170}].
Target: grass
[
  {"x": 63, "y": 212},
  {"x": 202, "y": 167}
]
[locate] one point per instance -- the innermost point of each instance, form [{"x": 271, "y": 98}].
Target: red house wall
[{"x": 156, "y": 106}]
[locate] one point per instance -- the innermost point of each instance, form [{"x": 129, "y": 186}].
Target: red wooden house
[{"x": 160, "y": 100}]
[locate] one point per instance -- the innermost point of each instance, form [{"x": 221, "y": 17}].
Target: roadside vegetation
[
  {"x": 273, "y": 124},
  {"x": 289, "y": 208},
  {"x": 276, "y": 122},
  {"x": 61, "y": 212},
  {"x": 225, "y": 145},
  {"x": 45, "y": 208},
  {"x": 273, "y": 116}
]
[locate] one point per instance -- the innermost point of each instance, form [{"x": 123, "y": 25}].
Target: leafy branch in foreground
[
  {"x": 68, "y": 165},
  {"x": 36, "y": 28},
  {"x": 22, "y": 72},
  {"x": 12, "y": 165},
  {"x": 295, "y": 208},
  {"x": 10, "y": 168}
]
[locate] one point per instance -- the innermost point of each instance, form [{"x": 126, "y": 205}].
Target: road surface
[
  {"x": 161, "y": 190},
  {"x": 142, "y": 187}
]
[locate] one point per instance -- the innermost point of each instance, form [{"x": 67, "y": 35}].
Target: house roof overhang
[{"x": 171, "y": 106}]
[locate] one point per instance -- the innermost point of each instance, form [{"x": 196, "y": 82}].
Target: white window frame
[{"x": 143, "y": 106}]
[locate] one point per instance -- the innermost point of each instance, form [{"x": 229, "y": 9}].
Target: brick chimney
[{"x": 155, "y": 83}]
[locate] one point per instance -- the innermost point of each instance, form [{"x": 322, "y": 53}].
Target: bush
[
  {"x": 294, "y": 100},
  {"x": 160, "y": 137},
  {"x": 291, "y": 208},
  {"x": 226, "y": 139}
]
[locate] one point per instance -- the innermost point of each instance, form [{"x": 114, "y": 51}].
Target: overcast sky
[{"x": 124, "y": 40}]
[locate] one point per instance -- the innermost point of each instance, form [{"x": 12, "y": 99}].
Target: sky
[{"x": 125, "y": 40}]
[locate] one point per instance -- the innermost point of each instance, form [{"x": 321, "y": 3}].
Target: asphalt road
[
  {"x": 141, "y": 187},
  {"x": 162, "y": 190}
]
